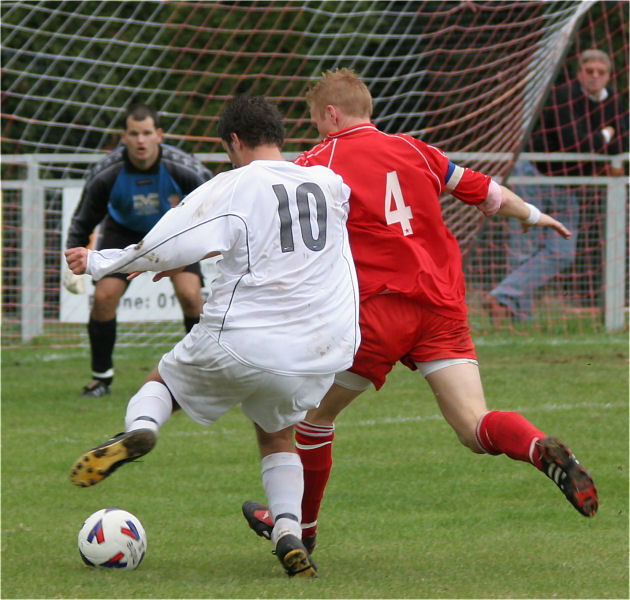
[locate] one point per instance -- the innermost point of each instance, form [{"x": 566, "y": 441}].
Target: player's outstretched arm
[
  {"x": 514, "y": 206},
  {"x": 77, "y": 259},
  {"x": 170, "y": 272}
]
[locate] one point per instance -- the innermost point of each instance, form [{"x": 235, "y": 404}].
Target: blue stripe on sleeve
[{"x": 451, "y": 168}]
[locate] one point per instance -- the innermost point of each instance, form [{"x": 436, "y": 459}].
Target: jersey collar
[
  {"x": 603, "y": 94},
  {"x": 351, "y": 130}
]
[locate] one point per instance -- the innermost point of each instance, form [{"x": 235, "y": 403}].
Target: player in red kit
[{"x": 412, "y": 290}]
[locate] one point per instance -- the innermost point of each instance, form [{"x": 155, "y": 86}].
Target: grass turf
[{"x": 408, "y": 513}]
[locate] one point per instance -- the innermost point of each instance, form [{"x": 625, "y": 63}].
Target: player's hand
[
  {"x": 77, "y": 259},
  {"x": 546, "y": 220},
  {"x": 157, "y": 276},
  {"x": 168, "y": 273}
]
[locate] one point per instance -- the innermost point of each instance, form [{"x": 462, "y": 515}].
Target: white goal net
[{"x": 467, "y": 76}]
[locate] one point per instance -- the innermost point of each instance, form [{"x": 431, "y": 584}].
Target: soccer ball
[{"x": 112, "y": 538}]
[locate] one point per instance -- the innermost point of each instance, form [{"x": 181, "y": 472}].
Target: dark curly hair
[{"x": 254, "y": 119}]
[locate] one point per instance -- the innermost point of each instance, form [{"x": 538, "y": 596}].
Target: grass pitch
[{"x": 408, "y": 513}]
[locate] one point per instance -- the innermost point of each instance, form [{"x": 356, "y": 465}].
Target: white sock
[
  {"x": 283, "y": 480},
  {"x": 150, "y": 408},
  {"x": 283, "y": 526}
]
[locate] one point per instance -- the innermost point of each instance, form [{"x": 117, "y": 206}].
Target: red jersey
[{"x": 398, "y": 237}]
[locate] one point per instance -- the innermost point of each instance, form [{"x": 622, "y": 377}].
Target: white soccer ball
[{"x": 112, "y": 538}]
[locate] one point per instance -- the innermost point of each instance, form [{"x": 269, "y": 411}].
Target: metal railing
[{"x": 33, "y": 187}]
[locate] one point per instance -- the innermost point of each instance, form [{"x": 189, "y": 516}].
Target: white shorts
[{"x": 206, "y": 382}]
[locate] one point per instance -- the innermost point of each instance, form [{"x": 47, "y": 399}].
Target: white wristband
[{"x": 534, "y": 214}]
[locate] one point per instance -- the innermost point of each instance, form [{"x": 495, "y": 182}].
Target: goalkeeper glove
[{"x": 75, "y": 284}]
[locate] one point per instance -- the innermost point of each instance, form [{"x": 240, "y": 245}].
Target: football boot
[
  {"x": 102, "y": 461},
  {"x": 561, "y": 466},
  {"x": 95, "y": 389},
  {"x": 259, "y": 519},
  {"x": 294, "y": 557}
]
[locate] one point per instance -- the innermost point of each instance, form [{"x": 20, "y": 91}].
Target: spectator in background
[
  {"x": 129, "y": 190},
  {"x": 583, "y": 115}
]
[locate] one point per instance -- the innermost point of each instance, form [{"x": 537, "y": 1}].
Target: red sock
[
  {"x": 314, "y": 445},
  {"x": 501, "y": 432}
]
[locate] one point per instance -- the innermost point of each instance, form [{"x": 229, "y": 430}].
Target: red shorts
[{"x": 395, "y": 328}]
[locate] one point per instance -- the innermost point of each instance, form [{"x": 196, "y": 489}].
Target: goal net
[{"x": 469, "y": 77}]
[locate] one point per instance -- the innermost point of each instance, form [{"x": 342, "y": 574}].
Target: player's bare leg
[
  {"x": 459, "y": 394},
  {"x": 187, "y": 287}
]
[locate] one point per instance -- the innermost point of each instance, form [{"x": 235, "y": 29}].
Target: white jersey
[{"x": 286, "y": 298}]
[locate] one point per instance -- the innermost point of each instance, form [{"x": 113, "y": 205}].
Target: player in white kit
[{"x": 281, "y": 320}]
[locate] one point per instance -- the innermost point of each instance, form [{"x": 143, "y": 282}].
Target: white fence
[{"x": 32, "y": 189}]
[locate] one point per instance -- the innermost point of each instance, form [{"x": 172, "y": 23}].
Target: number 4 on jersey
[{"x": 393, "y": 197}]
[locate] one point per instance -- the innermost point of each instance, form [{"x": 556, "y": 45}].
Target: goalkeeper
[
  {"x": 127, "y": 193},
  {"x": 413, "y": 306}
]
